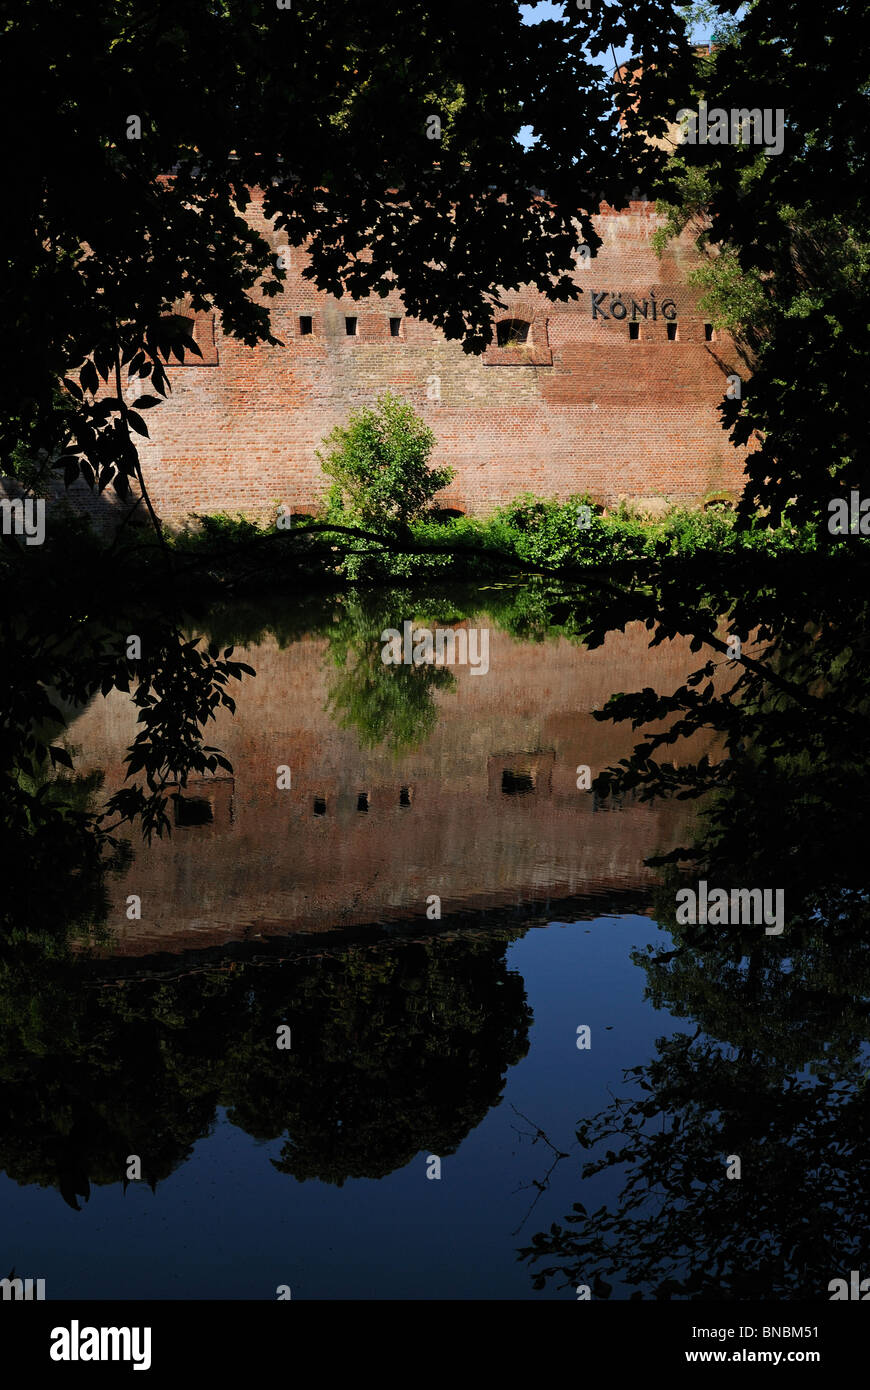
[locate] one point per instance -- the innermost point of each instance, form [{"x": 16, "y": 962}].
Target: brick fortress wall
[{"x": 581, "y": 407}]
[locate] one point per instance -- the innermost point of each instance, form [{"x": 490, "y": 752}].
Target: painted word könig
[
  {"x": 620, "y": 310},
  {"x": 718, "y": 909}
]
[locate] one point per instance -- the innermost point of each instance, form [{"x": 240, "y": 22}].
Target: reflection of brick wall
[
  {"x": 266, "y": 862},
  {"x": 583, "y": 408}
]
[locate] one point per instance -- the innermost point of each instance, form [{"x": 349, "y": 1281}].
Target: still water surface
[
  {"x": 226, "y": 1224},
  {"x": 433, "y": 903}
]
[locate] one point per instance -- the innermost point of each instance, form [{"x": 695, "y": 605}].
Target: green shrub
[{"x": 379, "y": 462}]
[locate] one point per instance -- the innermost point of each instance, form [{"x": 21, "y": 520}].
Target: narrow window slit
[
  {"x": 515, "y": 783},
  {"x": 193, "y": 810}
]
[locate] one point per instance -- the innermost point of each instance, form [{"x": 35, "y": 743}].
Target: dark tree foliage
[{"x": 793, "y": 233}]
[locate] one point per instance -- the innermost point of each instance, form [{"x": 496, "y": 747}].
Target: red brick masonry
[{"x": 581, "y": 407}]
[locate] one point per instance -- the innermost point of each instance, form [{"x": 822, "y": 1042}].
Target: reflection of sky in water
[{"x": 227, "y": 1225}]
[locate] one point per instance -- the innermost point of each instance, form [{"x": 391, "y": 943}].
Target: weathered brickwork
[{"x": 580, "y": 407}]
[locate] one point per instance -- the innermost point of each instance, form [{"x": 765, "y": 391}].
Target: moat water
[{"x": 490, "y": 1017}]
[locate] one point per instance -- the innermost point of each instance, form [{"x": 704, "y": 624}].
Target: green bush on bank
[
  {"x": 545, "y": 533},
  {"x": 534, "y": 531}
]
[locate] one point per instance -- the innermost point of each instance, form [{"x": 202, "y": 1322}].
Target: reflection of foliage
[
  {"x": 54, "y": 862},
  {"x": 394, "y": 1051},
  {"x": 794, "y": 1219},
  {"x": 775, "y": 1071},
  {"x": 90, "y": 1076},
  {"x": 788, "y": 804},
  {"x": 396, "y": 1048},
  {"x": 383, "y": 703},
  {"x": 54, "y": 866},
  {"x": 72, "y": 644},
  {"x": 179, "y": 689}
]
